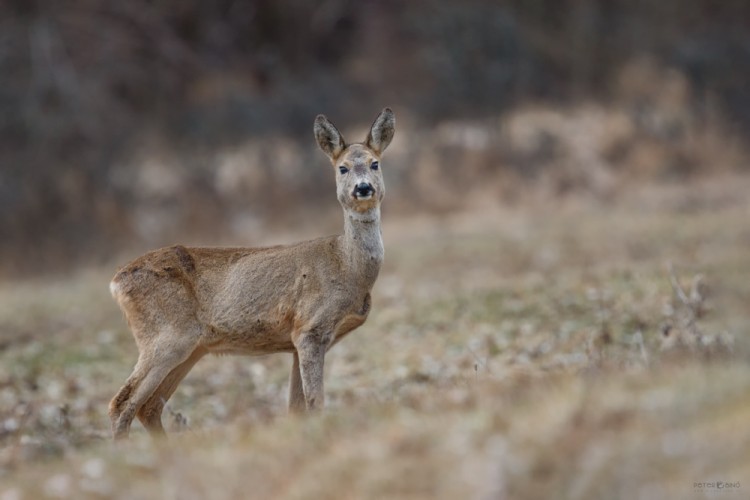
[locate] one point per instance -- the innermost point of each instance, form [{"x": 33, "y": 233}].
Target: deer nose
[{"x": 363, "y": 190}]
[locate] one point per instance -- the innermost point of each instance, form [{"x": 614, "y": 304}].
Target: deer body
[{"x": 182, "y": 303}]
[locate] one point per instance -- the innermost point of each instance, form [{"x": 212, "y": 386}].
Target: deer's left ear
[{"x": 381, "y": 132}]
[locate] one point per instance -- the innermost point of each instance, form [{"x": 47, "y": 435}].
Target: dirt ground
[{"x": 561, "y": 348}]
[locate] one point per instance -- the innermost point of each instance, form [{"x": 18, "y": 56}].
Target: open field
[{"x": 530, "y": 352}]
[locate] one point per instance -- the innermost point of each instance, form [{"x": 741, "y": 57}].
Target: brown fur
[{"x": 183, "y": 303}]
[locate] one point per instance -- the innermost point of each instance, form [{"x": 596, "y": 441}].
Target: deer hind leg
[
  {"x": 154, "y": 365},
  {"x": 150, "y": 413},
  {"x": 120, "y": 401}
]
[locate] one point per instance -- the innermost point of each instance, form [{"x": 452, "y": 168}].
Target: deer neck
[{"x": 363, "y": 243}]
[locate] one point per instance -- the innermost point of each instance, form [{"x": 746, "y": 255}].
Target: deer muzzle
[{"x": 363, "y": 191}]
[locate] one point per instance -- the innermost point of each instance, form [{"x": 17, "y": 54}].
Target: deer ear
[
  {"x": 328, "y": 136},
  {"x": 382, "y": 131}
]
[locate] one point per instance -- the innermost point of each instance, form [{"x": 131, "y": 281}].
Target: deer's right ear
[{"x": 329, "y": 138}]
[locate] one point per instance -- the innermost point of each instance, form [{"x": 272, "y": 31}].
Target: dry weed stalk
[{"x": 682, "y": 330}]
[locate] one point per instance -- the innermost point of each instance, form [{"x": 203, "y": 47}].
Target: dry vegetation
[
  {"x": 535, "y": 352},
  {"x": 563, "y": 308}
]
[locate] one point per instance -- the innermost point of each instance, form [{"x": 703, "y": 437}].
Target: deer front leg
[
  {"x": 311, "y": 351},
  {"x": 296, "y": 393}
]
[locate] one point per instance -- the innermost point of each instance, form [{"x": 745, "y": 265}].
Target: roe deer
[{"x": 182, "y": 303}]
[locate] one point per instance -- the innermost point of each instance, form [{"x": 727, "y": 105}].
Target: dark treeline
[{"x": 83, "y": 82}]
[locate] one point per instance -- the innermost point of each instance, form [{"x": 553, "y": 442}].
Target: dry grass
[{"x": 511, "y": 353}]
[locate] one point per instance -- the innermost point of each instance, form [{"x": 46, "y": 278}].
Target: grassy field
[{"x": 540, "y": 351}]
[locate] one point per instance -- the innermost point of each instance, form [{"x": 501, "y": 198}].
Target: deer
[{"x": 182, "y": 303}]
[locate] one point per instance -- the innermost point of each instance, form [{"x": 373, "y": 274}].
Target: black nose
[{"x": 363, "y": 189}]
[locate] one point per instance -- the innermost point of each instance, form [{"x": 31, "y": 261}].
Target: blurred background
[
  {"x": 563, "y": 309},
  {"x": 126, "y": 125}
]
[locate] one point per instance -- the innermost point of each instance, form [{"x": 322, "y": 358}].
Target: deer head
[{"x": 359, "y": 178}]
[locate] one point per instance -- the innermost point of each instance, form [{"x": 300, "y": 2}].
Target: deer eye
[
  {"x": 343, "y": 169},
  {"x": 375, "y": 165}
]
